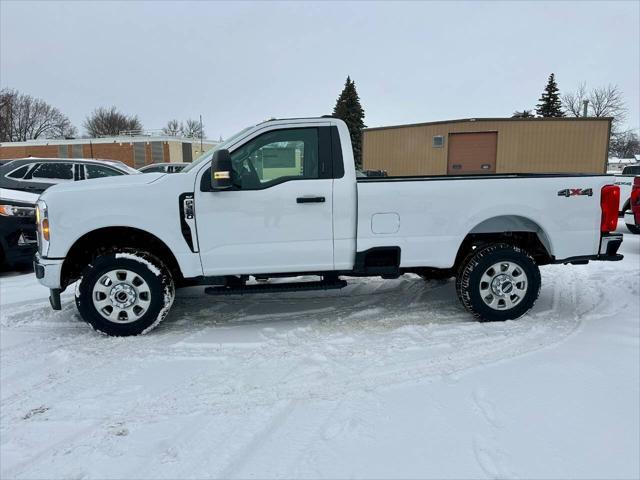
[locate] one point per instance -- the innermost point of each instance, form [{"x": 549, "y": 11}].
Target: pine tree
[
  {"x": 348, "y": 108},
  {"x": 550, "y": 104}
]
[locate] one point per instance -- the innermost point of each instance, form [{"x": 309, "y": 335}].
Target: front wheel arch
[{"x": 102, "y": 240}]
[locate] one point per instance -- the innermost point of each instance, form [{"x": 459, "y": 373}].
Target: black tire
[
  {"x": 149, "y": 269},
  {"x": 480, "y": 261},
  {"x": 436, "y": 274},
  {"x": 635, "y": 229}
]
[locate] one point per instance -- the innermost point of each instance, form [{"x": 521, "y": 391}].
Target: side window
[
  {"x": 19, "y": 172},
  {"x": 277, "y": 156},
  {"x": 98, "y": 171},
  {"x": 53, "y": 171}
]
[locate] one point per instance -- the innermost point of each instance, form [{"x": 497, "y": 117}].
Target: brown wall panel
[
  {"x": 524, "y": 146},
  {"x": 43, "y": 151}
]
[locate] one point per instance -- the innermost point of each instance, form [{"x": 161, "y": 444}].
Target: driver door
[{"x": 278, "y": 216}]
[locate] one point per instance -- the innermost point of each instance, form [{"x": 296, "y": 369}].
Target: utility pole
[
  {"x": 585, "y": 104},
  {"x": 201, "y": 133}
]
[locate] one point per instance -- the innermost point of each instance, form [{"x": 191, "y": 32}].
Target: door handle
[{"x": 310, "y": 200}]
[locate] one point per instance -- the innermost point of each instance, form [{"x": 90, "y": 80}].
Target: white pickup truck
[{"x": 281, "y": 199}]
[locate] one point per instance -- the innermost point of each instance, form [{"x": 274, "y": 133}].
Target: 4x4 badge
[{"x": 574, "y": 192}]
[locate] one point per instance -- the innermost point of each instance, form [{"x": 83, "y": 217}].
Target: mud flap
[{"x": 54, "y": 298}]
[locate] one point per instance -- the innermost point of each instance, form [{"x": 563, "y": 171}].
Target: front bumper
[
  {"x": 17, "y": 240},
  {"x": 48, "y": 271}
]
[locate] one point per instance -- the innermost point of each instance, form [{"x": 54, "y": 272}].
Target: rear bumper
[
  {"x": 609, "y": 245},
  {"x": 629, "y": 218}
]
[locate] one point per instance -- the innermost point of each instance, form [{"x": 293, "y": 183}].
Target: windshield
[{"x": 207, "y": 155}]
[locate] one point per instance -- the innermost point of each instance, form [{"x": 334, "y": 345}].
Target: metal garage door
[{"x": 472, "y": 153}]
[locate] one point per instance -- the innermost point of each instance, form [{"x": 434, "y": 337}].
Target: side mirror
[{"x": 221, "y": 170}]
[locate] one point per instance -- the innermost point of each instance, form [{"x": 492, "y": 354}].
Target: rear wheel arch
[
  {"x": 91, "y": 244},
  {"x": 515, "y": 230}
]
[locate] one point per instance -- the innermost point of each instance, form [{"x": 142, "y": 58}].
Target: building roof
[
  {"x": 623, "y": 161},
  {"x": 116, "y": 139},
  {"x": 498, "y": 119}
]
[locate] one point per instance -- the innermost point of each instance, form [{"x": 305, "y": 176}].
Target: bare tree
[
  {"x": 624, "y": 145},
  {"x": 602, "y": 102},
  {"x": 573, "y": 102},
  {"x": 523, "y": 114},
  {"x": 192, "y": 129},
  {"x": 23, "y": 117},
  {"x": 109, "y": 121},
  {"x": 173, "y": 128},
  {"x": 608, "y": 102}
]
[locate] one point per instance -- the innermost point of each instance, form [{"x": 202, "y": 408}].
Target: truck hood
[
  {"x": 18, "y": 196},
  {"x": 114, "y": 183}
]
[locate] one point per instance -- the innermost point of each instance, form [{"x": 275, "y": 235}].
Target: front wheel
[
  {"x": 633, "y": 228},
  {"x": 498, "y": 282},
  {"x": 125, "y": 293}
]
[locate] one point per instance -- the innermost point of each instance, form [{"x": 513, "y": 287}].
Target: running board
[{"x": 277, "y": 287}]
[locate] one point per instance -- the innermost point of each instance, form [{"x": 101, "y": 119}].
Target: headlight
[
  {"x": 15, "y": 211},
  {"x": 42, "y": 221}
]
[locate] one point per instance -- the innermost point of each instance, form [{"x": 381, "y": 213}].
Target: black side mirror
[{"x": 221, "y": 170}]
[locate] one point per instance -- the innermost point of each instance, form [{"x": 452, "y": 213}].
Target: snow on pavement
[{"x": 381, "y": 379}]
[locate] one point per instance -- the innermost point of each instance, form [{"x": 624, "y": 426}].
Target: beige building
[
  {"x": 489, "y": 145},
  {"x": 135, "y": 151}
]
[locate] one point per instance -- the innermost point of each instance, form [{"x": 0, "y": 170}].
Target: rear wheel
[
  {"x": 498, "y": 282},
  {"x": 125, "y": 293},
  {"x": 633, "y": 228}
]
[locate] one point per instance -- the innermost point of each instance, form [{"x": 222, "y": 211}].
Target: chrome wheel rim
[
  {"x": 121, "y": 296},
  {"x": 503, "y": 285}
]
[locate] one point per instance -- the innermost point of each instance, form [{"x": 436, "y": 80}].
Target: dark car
[
  {"x": 18, "y": 240},
  {"x": 37, "y": 174},
  {"x": 631, "y": 170},
  {"x": 22, "y": 181},
  {"x": 164, "y": 167}
]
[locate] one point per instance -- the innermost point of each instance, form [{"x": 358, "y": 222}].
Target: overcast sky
[{"x": 237, "y": 64}]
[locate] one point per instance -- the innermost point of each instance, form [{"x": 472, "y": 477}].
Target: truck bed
[{"x": 428, "y": 217}]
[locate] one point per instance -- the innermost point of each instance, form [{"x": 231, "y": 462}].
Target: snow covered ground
[{"x": 381, "y": 379}]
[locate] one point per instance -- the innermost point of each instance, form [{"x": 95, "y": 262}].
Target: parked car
[
  {"x": 18, "y": 241},
  {"x": 375, "y": 173},
  {"x": 632, "y": 215},
  {"x": 163, "y": 167},
  {"x": 625, "y": 181},
  {"x": 281, "y": 199},
  {"x": 21, "y": 181},
  {"x": 37, "y": 174}
]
